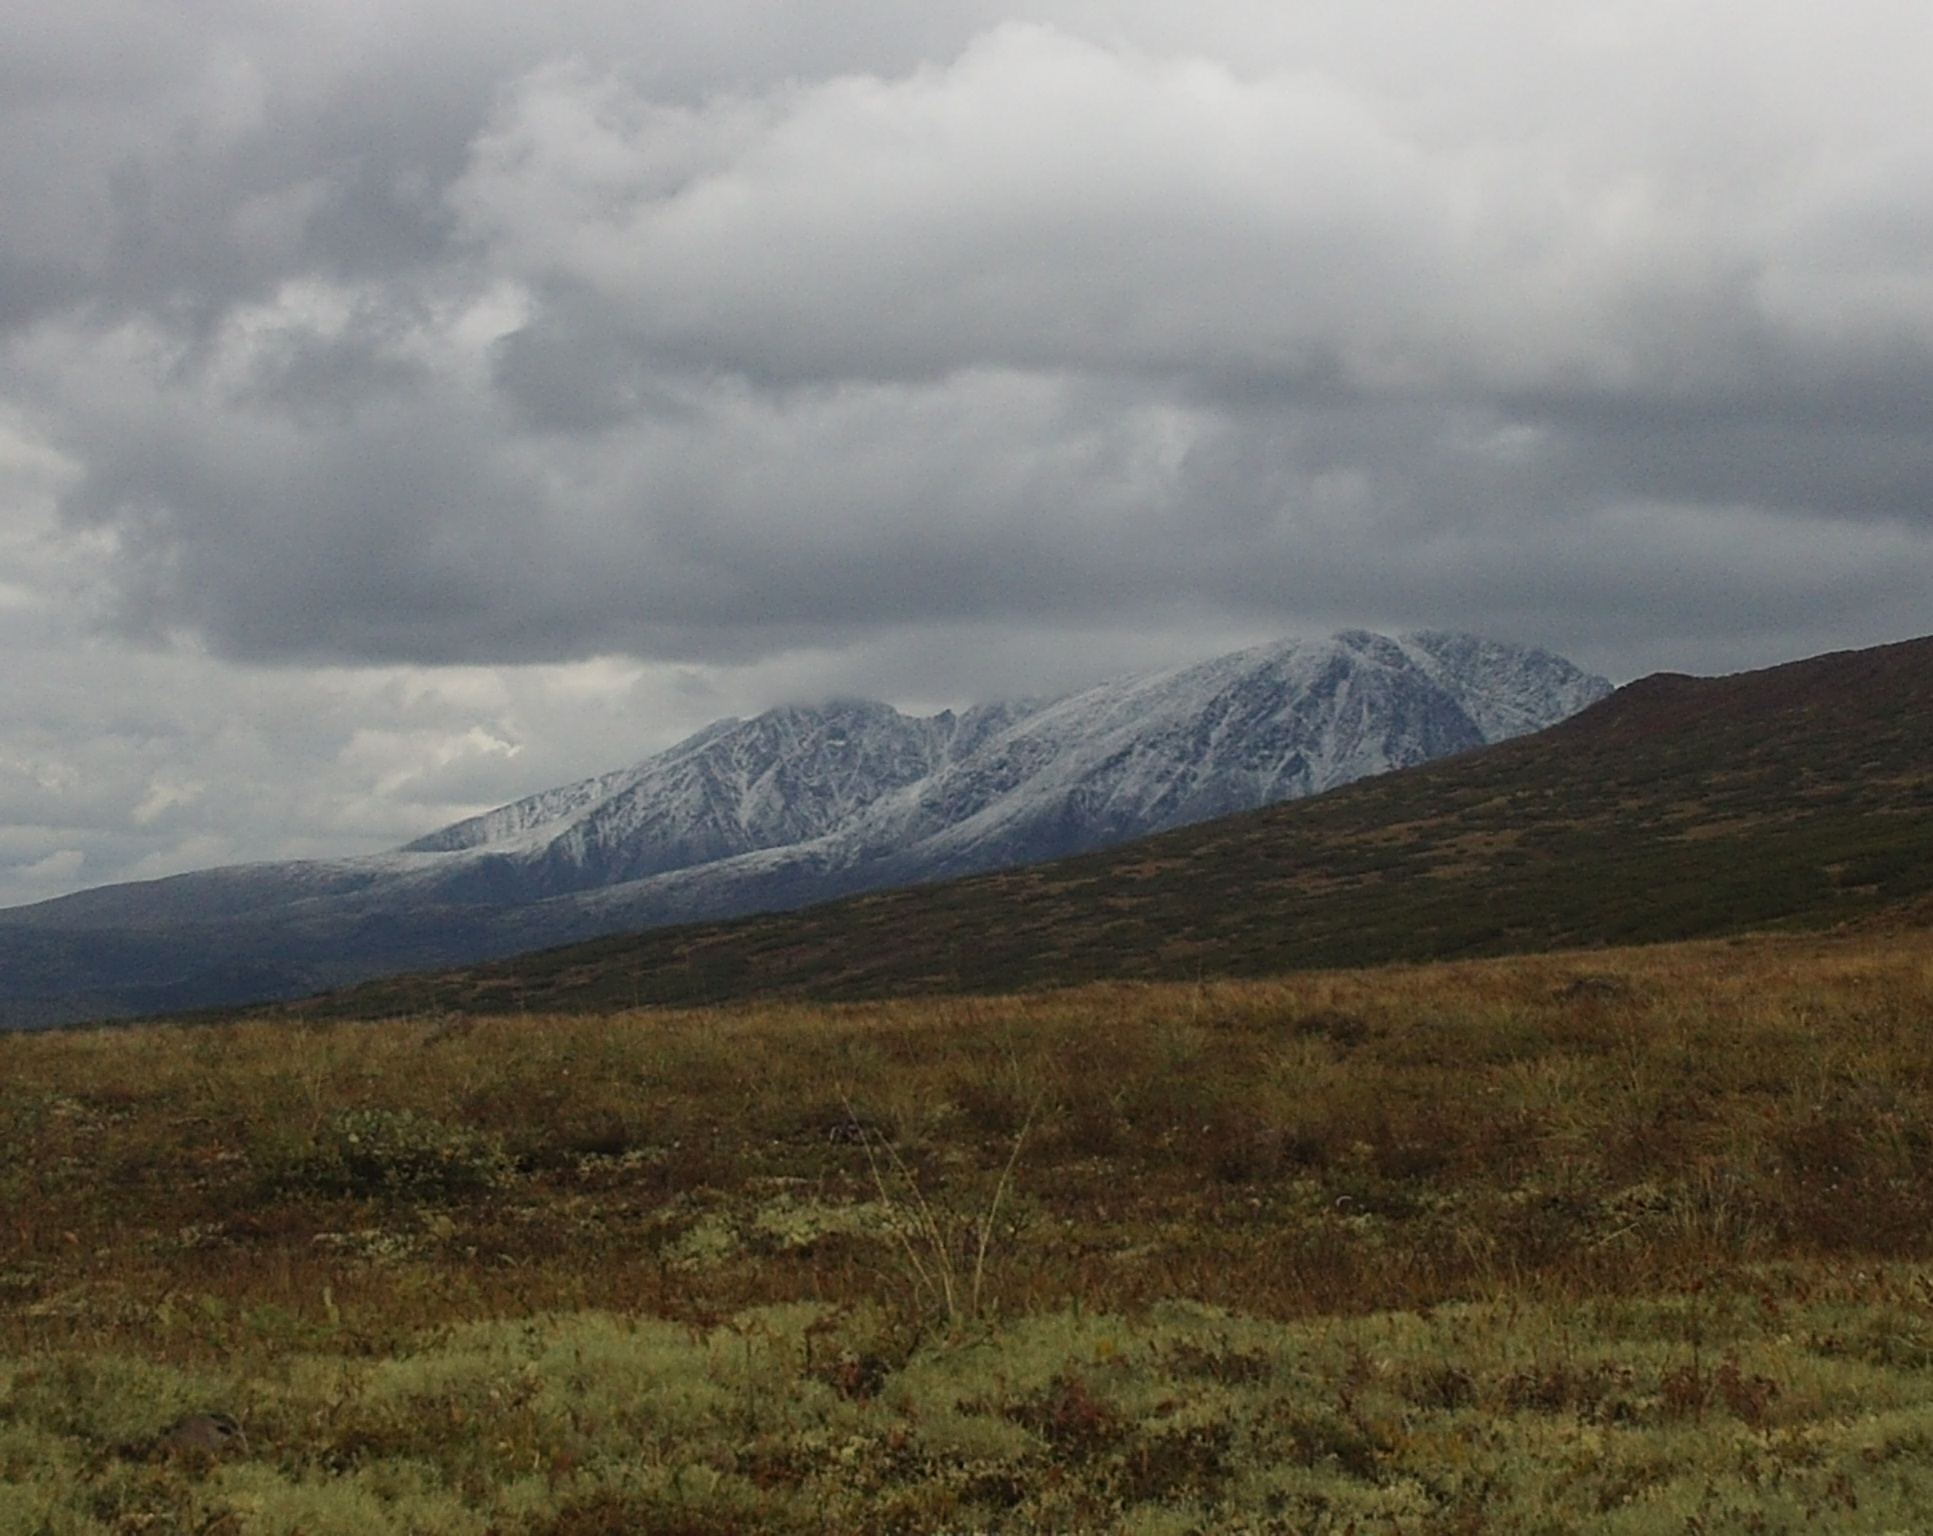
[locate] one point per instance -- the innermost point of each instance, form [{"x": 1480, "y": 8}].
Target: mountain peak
[
  {"x": 858, "y": 784},
  {"x": 804, "y": 802}
]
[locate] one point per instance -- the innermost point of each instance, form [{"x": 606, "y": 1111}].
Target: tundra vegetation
[{"x": 1628, "y": 1240}]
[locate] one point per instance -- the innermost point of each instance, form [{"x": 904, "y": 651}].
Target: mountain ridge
[
  {"x": 953, "y": 778},
  {"x": 794, "y": 806},
  {"x": 1796, "y": 797}
]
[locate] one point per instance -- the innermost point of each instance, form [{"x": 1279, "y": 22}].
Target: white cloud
[{"x": 1044, "y": 202}]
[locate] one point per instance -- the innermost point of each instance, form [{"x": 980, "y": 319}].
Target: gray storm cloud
[
  {"x": 716, "y": 337},
  {"x": 1042, "y": 329}
]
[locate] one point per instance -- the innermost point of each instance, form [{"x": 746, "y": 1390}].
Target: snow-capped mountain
[
  {"x": 795, "y": 806},
  {"x": 854, "y": 785}
]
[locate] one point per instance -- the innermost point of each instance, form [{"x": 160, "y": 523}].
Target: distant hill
[
  {"x": 1800, "y": 797},
  {"x": 794, "y": 807}
]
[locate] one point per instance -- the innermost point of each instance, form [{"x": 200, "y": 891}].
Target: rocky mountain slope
[{"x": 796, "y": 806}]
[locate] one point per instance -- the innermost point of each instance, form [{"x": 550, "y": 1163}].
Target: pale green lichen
[{"x": 1625, "y": 1416}]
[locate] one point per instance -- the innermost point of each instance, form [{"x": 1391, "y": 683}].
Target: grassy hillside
[
  {"x": 1681, "y": 807},
  {"x": 1638, "y": 1242}
]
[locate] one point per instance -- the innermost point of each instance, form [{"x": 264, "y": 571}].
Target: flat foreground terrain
[{"x": 1632, "y": 1240}]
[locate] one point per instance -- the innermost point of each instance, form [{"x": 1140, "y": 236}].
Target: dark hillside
[{"x": 1680, "y": 807}]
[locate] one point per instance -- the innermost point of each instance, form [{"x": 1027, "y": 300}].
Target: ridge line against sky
[{"x": 407, "y": 406}]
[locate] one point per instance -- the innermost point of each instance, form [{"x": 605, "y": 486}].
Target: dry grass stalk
[{"x": 927, "y": 1239}]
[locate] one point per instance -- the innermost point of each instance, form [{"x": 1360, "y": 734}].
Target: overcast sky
[{"x": 408, "y": 404}]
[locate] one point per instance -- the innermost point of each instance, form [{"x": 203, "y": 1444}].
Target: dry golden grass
[{"x": 1696, "y": 1181}]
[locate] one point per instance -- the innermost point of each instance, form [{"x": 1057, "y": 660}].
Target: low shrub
[{"x": 395, "y": 1154}]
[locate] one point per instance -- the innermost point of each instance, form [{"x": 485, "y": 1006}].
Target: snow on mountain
[
  {"x": 784, "y": 779},
  {"x": 852, "y": 787},
  {"x": 795, "y": 806}
]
